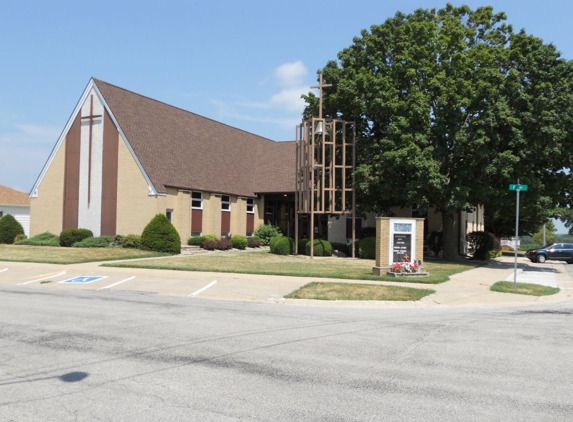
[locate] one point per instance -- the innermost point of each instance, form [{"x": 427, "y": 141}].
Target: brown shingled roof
[
  {"x": 10, "y": 196},
  {"x": 184, "y": 150}
]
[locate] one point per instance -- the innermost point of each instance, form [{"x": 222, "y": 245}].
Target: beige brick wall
[
  {"x": 135, "y": 208},
  {"x": 382, "y": 241},
  {"x": 238, "y": 216},
  {"x": 211, "y": 214},
  {"x": 259, "y": 211},
  {"x": 46, "y": 211}
]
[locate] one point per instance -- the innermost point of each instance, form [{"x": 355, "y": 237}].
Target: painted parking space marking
[
  {"x": 119, "y": 282},
  {"x": 203, "y": 288},
  {"x": 83, "y": 279},
  {"x": 41, "y": 279},
  {"x": 5, "y": 269}
]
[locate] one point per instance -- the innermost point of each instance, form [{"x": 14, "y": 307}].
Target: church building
[{"x": 123, "y": 157}]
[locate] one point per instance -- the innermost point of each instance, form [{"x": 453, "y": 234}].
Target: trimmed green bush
[
  {"x": 367, "y": 248},
  {"x": 282, "y": 245},
  {"x": 266, "y": 232},
  {"x": 195, "y": 241},
  {"x": 131, "y": 241},
  {"x": 95, "y": 242},
  {"x": 253, "y": 242},
  {"x": 70, "y": 236},
  {"x": 9, "y": 229},
  {"x": 302, "y": 245},
  {"x": 160, "y": 236},
  {"x": 321, "y": 248},
  {"x": 481, "y": 243},
  {"x": 118, "y": 240},
  {"x": 239, "y": 242},
  {"x": 42, "y": 239},
  {"x": 273, "y": 241}
]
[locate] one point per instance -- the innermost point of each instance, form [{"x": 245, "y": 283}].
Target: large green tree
[{"x": 451, "y": 106}]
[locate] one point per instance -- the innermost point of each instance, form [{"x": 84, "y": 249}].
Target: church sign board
[{"x": 398, "y": 240}]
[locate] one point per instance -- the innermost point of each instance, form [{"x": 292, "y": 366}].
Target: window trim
[{"x": 197, "y": 199}]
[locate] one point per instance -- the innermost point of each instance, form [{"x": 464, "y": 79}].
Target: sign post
[{"x": 517, "y": 188}]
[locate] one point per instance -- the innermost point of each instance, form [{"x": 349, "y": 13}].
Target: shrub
[
  {"x": 253, "y": 242},
  {"x": 266, "y": 232},
  {"x": 42, "y": 239},
  {"x": 132, "y": 241},
  {"x": 239, "y": 242},
  {"x": 195, "y": 240},
  {"x": 365, "y": 232},
  {"x": 70, "y": 236},
  {"x": 9, "y": 229},
  {"x": 340, "y": 247},
  {"x": 302, "y": 245},
  {"x": 209, "y": 245},
  {"x": 118, "y": 240},
  {"x": 367, "y": 248},
  {"x": 481, "y": 243},
  {"x": 273, "y": 241},
  {"x": 282, "y": 245},
  {"x": 223, "y": 244},
  {"x": 321, "y": 248},
  {"x": 95, "y": 242},
  {"x": 20, "y": 236},
  {"x": 496, "y": 251},
  {"x": 436, "y": 242},
  {"x": 160, "y": 236}
]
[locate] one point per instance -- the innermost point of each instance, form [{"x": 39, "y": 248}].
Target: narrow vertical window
[
  {"x": 225, "y": 203},
  {"x": 250, "y": 205},
  {"x": 169, "y": 215},
  {"x": 197, "y": 200}
]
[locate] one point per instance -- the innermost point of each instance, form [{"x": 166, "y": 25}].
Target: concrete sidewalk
[{"x": 467, "y": 289}]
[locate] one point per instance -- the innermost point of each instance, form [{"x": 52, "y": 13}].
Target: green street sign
[{"x": 518, "y": 187}]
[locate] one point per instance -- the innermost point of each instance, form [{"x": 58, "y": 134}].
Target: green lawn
[
  {"x": 351, "y": 291},
  {"x": 266, "y": 263},
  {"x": 58, "y": 255},
  {"x": 523, "y": 288}
]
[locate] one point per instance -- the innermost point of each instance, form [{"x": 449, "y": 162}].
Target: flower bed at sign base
[{"x": 405, "y": 269}]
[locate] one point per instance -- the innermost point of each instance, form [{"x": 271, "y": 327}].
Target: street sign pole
[
  {"x": 516, "y": 238},
  {"x": 517, "y": 188}
]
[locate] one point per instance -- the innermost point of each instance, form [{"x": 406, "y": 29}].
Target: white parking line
[
  {"x": 115, "y": 284},
  {"x": 5, "y": 269},
  {"x": 203, "y": 288},
  {"x": 41, "y": 279}
]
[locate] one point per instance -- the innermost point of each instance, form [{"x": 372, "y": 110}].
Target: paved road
[{"x": 75, "y": 355}]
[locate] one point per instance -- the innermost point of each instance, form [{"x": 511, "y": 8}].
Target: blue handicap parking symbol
[{"x": 82, "y": 279}]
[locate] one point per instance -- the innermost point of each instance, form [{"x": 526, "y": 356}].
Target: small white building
[{"x": 17, "y": 204}]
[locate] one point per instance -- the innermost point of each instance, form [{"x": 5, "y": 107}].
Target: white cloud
[
  {"x": 291, "y": 75},
  {"x": 283, "y": 109},
  {"x": 289, "y": 99}
]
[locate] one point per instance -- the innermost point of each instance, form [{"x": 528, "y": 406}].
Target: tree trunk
[{"x": 450, "y": 236}]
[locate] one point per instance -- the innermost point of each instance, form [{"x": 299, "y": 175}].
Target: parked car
[{"x": 553, "y": 251}]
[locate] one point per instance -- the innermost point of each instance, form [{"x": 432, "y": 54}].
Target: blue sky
[{"x": 244, "y": 63}]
